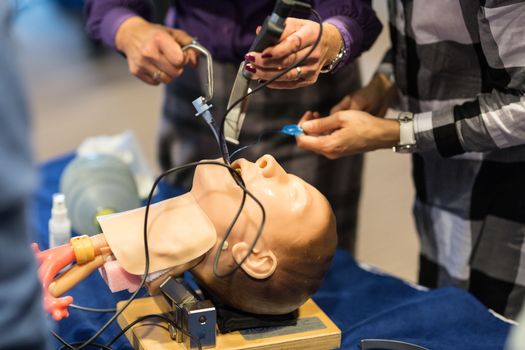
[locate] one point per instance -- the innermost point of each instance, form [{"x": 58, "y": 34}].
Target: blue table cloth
[{"x": 363, "y": 303}]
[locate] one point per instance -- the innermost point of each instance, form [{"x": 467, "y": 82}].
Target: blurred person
[
  {"x": 22, "y": 322},
  {"x": 227, "y": 29},
  {"x": 460, "y": 84}
]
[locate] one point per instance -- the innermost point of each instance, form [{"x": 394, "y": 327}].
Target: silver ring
[
  {"x": 299, "y": 72},
  {"x": 156, "y": 76}
]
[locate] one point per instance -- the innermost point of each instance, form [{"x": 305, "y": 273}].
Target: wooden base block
[{"x": 314, "y": 330}]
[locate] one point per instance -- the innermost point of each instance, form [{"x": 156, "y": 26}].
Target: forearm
[
  {"x": 489, "y": 122},
  {"x": 104, "y": 17}
]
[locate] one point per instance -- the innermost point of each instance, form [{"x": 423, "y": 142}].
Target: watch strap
[
  {"x": 336, "y": 60},
  {"x": 407, "y": 137}
]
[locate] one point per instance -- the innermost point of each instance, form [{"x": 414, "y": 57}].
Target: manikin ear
[{"x": 260, "y": 264}]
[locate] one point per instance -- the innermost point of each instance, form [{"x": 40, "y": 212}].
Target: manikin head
[
  {"x": 295, "y": 249},
  {"x": 286, "y": 266}
]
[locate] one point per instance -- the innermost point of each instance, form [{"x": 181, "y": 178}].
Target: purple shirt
[{"x": 227, "y": 27}]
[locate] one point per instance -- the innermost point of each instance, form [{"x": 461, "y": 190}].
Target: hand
[
  {"x": 375, "y": 98},
  {"x": 297, "y": 39},
  {"x": 346, "y": 133},
  {"x": 153, "y": 51}
]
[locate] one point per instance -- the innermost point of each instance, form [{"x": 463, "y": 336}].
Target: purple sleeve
[
  {"x": 104, "y": 17},
  {"x": 355, "y": 20}
]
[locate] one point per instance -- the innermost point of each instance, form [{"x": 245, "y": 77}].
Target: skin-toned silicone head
[
  {"x": 295, "y": 249},
  {"x": 284, "y": 269}
]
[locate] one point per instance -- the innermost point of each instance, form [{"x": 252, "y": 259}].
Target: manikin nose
[{"x": 269, "y": 166}]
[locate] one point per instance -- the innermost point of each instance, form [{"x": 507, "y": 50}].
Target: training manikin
[{"x": 284, "y": 269}]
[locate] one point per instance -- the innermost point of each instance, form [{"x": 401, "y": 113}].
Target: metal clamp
[
  {"x": 209, "y": 66},
  {"x": 195, "y": 319}
]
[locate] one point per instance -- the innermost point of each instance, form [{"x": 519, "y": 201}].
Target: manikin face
[
  {"x": 291, "y": 204},
  {"x": 297, "y": 216}
]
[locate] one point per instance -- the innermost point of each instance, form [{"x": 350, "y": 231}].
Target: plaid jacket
[{"x": 460, "y": 67}]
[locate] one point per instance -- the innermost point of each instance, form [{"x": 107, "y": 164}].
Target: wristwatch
[
  {"x": 330, "y": 66},
  {"x": 407, "y": 138}
]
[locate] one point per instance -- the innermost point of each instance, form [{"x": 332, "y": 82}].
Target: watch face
[
  {"x": 403, "y": 148},
  {"x": 405, "y": 117}
]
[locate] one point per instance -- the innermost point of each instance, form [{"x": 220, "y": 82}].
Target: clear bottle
[{"x": 59, "y": 224}]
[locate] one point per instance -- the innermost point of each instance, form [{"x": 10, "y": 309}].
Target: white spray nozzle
[{"x": 59, "y": 204}]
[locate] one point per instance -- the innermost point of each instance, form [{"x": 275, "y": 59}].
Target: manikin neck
[{"x": 179, "y": 232}]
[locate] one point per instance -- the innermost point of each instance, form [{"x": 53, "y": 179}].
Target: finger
[
  {"x": 152, "y": 75},
  {"x": 359, "y": 102},
  {"x": 322, "y": 125},
  {"x": 170, "y": 49},
  {"x": 342, "y": 105},
  {"x": 323, "y": 145},
  {"x": 182, "y": 39},
  {"x": 293, "y": 75},
  {"x": 148, "y": 79},
  {"x": 308, "y": 115},
  {"x": 162, "y": 77},
  {"x": 144, "y": 71},
  {"x": 259, "y": 61},
  {"x": 192, "y": 57},
  {"x": 304, "y": 37},
  {"x": 311, "y": 143},
  {"x": 258, "y": 30},
  {"x": 168, "y": 72},
  {"x": 289, "y": 85}
]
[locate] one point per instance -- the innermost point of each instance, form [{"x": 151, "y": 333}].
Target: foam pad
[{"x": 117, "y": 278}]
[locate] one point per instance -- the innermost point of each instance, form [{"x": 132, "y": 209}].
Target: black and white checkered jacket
[{"x": 460, "y": 67}]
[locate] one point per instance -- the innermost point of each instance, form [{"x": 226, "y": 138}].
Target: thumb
[
  {"x": 345, "y": 103},
  {"x": 321, "y": 126}
]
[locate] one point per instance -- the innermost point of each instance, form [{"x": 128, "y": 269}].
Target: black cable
[
  {"x": 145, "y": 317},
  {"x": 277, "y": 76},
  {"x": 59, "y": 338},
  {"x": 92, "y": 344},
  {"x": 66, "y": 345},
  {"x": 240, "y": 183},
  {"x": 92, "y": 309}
]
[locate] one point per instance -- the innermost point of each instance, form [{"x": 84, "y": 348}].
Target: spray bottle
[{"x": 59, "y": 224}]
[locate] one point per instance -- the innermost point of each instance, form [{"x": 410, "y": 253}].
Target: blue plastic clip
[{"x": 292, "y": 130}]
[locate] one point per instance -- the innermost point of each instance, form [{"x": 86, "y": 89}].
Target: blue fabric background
[{"x": 362, "y": 303}]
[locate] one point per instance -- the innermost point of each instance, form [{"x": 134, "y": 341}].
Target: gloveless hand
[
  {"x": 346, "y": 132},
  {"x": 296, "y": 41},
  {"x": 375, "y": 98},
  {"x": 153, "y": 51}
]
